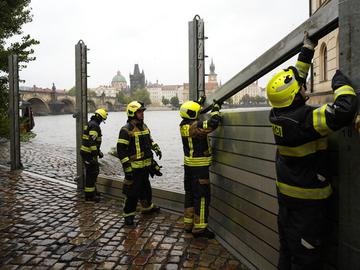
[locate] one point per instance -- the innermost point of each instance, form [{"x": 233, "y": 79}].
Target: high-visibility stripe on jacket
[
  {"x": 91, "y": 140},
  {"x": 134, "y": 145},
  {"x": 196, "y": 145},
  {"x": 300, "y": 132}
]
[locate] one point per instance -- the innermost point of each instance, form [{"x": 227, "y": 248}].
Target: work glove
[
  {"x": 157, "y": 150},
  {"x": 216, "y": 107},
  {"x": 308, "y": 43},
  {"x": 154, "y": 169},
  {"x": 201, "y": 100},
  {"x": 101, "y": 155},
  {"x": 339, "y": 80},
  {"x": 214, "y": 121}
]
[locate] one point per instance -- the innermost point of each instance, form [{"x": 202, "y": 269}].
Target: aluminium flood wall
[{"x": 243, "y": 210}]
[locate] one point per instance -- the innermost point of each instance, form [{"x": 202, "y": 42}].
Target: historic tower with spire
[{"x": 137, "y": 80}]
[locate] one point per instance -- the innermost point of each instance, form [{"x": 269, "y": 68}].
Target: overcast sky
[{"x": 153, "y": 34}]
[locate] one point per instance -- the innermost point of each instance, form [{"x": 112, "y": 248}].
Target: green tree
[
  {"x": 165, "y": 101},
  {"x": 245, "y": 99},
  {"x": 14, "y": 14},
  {"x": 174, "y": 101},
  {"x": 122, "y": 98},
  {"x": 71, "y": 91},
  {"x": 142, "y": 95}
]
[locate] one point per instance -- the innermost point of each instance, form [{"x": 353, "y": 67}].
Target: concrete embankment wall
[{"x": 244, "y": 207}]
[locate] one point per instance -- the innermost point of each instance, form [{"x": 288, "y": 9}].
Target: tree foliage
[
  {"x": 122, "y": 98},
  {"x": 165, "y": 101},
  {"x": 142, "y": 95},
  {"x": 13, "y": 15},
  {"x": 174, "y": 101}
]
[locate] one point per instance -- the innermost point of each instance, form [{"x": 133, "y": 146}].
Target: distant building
[
  {"x": 118, "y": 84},
  {"x": 119, "y": 81},
  {"x": 212, "y": 83},
  {"x": 210, "y": 86},
  {"x": 169, "y": 91},
  {"x": 107, "y": 90},
  {"x": 155, "y": 93},
  {"x": 137, "y": 80},
  {"x": 252, "y": 90},
  {"x": 325, "y": 63}
]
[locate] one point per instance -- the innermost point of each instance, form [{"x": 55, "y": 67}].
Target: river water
[{"x": 59, "y": 131}]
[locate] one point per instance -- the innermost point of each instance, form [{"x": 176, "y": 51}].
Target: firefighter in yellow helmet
[
  {"x": 197, "y": 159},
  {"x": 134, "y": 149},
  {"x": 302, "y": 166},
  {"x": 90, "y": 151}
]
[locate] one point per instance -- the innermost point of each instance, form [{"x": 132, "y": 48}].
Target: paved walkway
[
  {"x": 45, "y": 224},
  {"x": 60, "y": 163}
]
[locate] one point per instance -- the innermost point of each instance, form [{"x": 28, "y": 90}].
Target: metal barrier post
[
  {"x": 14, "y": 112},
  {"x": 196, "y": 58},
  {"x": 349, "y": 143},
  {"x": 81, "y": 105}
]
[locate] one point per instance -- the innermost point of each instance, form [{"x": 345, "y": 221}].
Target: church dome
[{"x": 118, "y": 78}]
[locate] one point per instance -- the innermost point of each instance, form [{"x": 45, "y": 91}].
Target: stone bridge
[{"x": 59, "y": 102}]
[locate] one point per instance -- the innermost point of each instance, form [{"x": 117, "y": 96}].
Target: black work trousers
[
  {"x": 91, "y": 174},
  {"x": 303, "y": 230},
  {"x": 197, "y": 198},
  {"x": 139, "y": 189}
]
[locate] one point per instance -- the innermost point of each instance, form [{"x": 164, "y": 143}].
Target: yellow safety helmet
[
  {"x": 283, "y": 87},
  {"x": 190, "y": 110},
  {"x": 133, "y": 107},
  {"x": 102, "y": 113}
]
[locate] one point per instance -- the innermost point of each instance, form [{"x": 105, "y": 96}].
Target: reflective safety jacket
[
  {"x": 300, "y": 132},
  {"x": 134, "y": 145},
  {"x": 91, "y": 140},
  {"x": 196, "y": 145}
]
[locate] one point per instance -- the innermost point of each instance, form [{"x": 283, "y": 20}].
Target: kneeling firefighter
[
  {"x": 197, "y": 159},
  {"x": 134, "y": 149},
  {"x": 90, "y": 151}
]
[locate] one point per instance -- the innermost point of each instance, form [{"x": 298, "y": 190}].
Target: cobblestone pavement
[
  {"x": 60, "y": 163},
  {"x": 46, "y": 225}
]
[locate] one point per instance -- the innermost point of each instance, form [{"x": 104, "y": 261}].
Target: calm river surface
[{"x": 59, "y": 130}]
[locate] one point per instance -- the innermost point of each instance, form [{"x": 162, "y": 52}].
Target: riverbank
[{"x": 60, "y": 163}]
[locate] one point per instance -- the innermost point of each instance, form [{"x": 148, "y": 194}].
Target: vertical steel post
[
  {"x": 349, "y": 143},
  {"x": 201, "y": 59},
  {"x": 14, "y": 112},
  {"x": 196, "y": 58},
  {"x": 81, "y": 105},
  {"x": 193, "y": 76}
]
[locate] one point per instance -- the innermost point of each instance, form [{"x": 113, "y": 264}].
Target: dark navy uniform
[
  {"x": 197, "y": 159},
  {"x": 303, "y": 173},
  {"x": 90, "y": 150},
  {"x": 134, "y": 148}
]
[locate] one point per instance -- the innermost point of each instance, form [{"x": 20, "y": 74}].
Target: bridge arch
[
  {"x": 91, "y": 105},
  {"x": 39, "y": 107},
  {"x": 109, "y": 106},
  {"x": 69, "y": 106}
]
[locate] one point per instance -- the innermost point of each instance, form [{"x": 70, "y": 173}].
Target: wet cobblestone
[
  {"x": 60, "y": 163},
  {"x": 47, "y": 225}
]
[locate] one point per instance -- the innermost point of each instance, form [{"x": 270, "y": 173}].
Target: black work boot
[
  {"x": 155, "y": 209},
  {"x": 205, "y": 234},
  {"x": 129, "y": 220},
  {"x": 92, "y": 198}
]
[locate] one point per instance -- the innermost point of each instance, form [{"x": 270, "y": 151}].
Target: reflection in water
[{"x": 89, "y": 226}]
